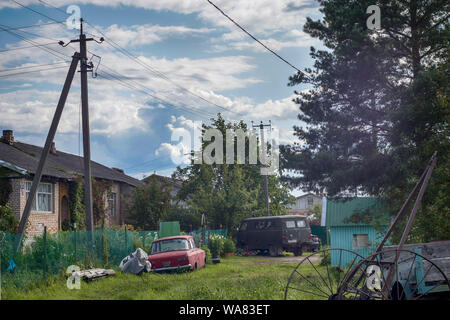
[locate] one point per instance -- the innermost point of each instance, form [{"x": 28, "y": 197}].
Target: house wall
[
  {"x": 37, "y": 220},
  {"x": 302, "y": 202},
  {"x": 53, "y": 220},
  {"x": 342, "y": 237}
]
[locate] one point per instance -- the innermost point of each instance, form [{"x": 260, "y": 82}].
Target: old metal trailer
[{"x": 400, "y": 272}]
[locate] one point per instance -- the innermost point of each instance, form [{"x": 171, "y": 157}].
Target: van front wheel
[{"x": 298, "y": 252}]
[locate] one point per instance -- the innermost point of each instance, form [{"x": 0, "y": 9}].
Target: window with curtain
[{"x": 44, "y": 196}]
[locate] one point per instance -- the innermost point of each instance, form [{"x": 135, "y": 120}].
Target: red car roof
[{"x": 174, "y": 237}]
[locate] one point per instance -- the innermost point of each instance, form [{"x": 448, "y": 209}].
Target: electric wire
[
  {"x": 33, "y": 66},
  {"x": 254, "y": 38},
  {"x": 140, "y": 62},
  {"x": 26, "y": 72}
]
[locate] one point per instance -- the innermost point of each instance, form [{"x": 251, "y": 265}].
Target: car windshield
[{"x": 170, "y": 245}]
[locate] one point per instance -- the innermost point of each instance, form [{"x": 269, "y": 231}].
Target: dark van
[{"x": 277, "y": 233}]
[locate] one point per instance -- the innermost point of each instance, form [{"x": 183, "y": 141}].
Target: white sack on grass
[{"x": 136, "y": 262}]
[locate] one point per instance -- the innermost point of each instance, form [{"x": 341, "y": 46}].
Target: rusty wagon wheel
[
  {"x": 319, "y": 275},
  {"x": 394, "y": 274}
]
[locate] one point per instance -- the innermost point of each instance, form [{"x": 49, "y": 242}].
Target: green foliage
[
  {"x": 229, "y": 246},
  {"x": 215, "y": 244},
  {"x": 378, "y": 108},
  {"x": 137, "y": 243},
  {"x": 207, "y": 253},
  {"x": 76, "y": 206},
  {"x": 189, "y": 220},
  {"x": 227, "y": 193},
  {"x": 8, "y": 219},
  {"x": 149, "y": 204}
]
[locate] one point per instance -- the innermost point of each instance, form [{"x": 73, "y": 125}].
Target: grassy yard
[{"x": 233, "y": 278}]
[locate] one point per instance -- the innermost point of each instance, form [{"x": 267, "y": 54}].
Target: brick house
[{"x": 18, "y": 162}]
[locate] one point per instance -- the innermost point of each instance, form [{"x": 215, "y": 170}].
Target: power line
[
  {"x": 153, "y": 70},
  {"x": 40, "y": 46},
  {"x": 33, "y": 26},
  {"x": 131, "y": 56},
  {"x": 116, "y": 46},
  {"x": 26, "y": 72},
  {"x": 132, "y": 87},
  {"x": 254, "y": 38},
  {"x": 40, "y": 13},
  {"x": 49, "y": 50},
  {"x": 26, "y": 47},
  {"x": 33, "y": 66}
]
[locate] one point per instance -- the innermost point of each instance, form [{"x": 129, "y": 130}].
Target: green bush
[
  {"x": 137, "y": 243},
  {"x": 229, "y": 246},
  {"x": 207, "y": 253},
  {"x": 8, "y": 219}
]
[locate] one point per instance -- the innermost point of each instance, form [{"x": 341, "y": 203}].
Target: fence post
[
  {"x": 126, "y": 240},
  {"x": 75, "y": 235},
  {"x": 45, "y": 252}
]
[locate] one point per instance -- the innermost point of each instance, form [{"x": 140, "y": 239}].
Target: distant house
[
  {"x": 355, "y": 225},
  {"x": 304, "y": 203},
  {"x": 18, "y": 163}
]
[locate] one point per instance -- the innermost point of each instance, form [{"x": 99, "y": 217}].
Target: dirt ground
[{"x": 284, "y": 259}]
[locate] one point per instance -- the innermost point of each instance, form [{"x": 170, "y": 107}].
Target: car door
[{"x": 195, "y": 253}]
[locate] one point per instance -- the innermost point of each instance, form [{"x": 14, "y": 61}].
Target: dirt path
[{"x": 284, "y": 259}]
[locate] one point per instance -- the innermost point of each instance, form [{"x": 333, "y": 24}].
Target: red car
[{"x": 176, "y": 253}]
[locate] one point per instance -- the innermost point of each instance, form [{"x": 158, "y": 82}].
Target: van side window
[
  {"x": 301, "y": 223},
  {"x": 290, "y": 224},
  {"x": 243, "y": 226},
  {"x": 260, "y": 225}
]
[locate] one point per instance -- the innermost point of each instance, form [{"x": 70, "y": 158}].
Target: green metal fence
[
  {"x": 51, "y": 254},
  {"x": 321, "y": 232}
]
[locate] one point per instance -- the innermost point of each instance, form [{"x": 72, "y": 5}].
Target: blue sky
[{"x": 188, "y": 41}]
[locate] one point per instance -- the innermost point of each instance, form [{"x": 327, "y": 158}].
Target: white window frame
[
  {"x": 112, "y": 198},
  {"x": 34, "y": 206}
]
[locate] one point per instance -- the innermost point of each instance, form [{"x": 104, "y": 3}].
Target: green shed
[{"x": 355, "y": 224}]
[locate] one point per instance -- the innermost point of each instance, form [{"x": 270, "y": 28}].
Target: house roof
[
  {"x": 173, "y": 182},
  {"x": 340, "y": 212},
  {"x": 309, "y": 194},
  {"x": 60, "y": 165}
]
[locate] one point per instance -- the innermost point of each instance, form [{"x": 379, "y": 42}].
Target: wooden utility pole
[
  {"x": 85, "y": 67},
  {"x": 263, "y": 160}
]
